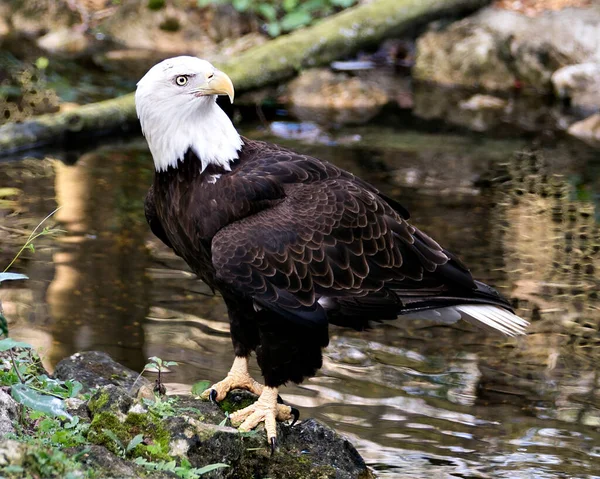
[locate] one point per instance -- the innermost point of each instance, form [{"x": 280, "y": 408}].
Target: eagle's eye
[{"x": 181, "y": 80}]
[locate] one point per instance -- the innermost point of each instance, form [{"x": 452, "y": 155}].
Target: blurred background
[{"x": 481, "y": 117}]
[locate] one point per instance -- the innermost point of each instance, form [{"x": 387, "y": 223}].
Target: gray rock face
[
  {"x": 587, "y": 130},
  {"x": 498, "y": 49},
  {"x": 9, "y": 412},
  {"x": 95, "y": 368},
  {"x": 580, "y": 84}
]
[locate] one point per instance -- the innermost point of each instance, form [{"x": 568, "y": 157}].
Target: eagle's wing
[
  {"x": 152, "y": 218},
  {"x": 329, "y": 243}
]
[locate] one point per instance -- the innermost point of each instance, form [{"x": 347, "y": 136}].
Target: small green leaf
[
  {"x": 11, "y": 276},
  {"x": 274, "y": 29},
  {"x": 74, "y": 387},
  {"x": 289, "y": 5},
  {"x": 9, "y": 343},
  {"x": 42, "y": 63},
  {"x": 39, "y": 402},
  {"x": 295, "y": 20},
  {"x": 343, "y": 3},
  {"x": 210, "y": 467},
  {"x": 199, "y": 387},
  {"x": 312, "y": 6},
  {"x": 113, "y": 437},
  {"x": 224, "y": 421},
  {"x": 72, "y": 423},
  {"x": 241, "y": 5},
  {"x": 267, "y": 11},
  {"x": 136, "y": 441}
]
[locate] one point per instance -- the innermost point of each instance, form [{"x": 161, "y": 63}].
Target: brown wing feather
[{"x": 330, "y": 237}]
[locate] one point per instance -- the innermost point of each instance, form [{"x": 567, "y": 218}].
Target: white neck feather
[{"x": 171, "y": 129}]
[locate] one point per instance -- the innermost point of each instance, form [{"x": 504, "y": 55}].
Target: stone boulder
[
  {"x": 95, "y": 369},
  {"x": 132, "y": 434},
  {"x": 9, "y": 413},
  {"x": 498, "y": 49},
  {"x": 196, "y": 431},
  {"x": 580, "y": 85},
  {"x": 329, "y": 98},
  {"x": 587, "y": 130}
]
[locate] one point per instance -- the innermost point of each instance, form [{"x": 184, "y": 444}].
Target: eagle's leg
[
  {"x": 266, "y": 410},
  {"x": 238, "y": 377}
]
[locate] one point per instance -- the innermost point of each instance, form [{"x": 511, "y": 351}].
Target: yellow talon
[
  {"x": 237, "y": 378},
  {"x": 266, "y": 410}
]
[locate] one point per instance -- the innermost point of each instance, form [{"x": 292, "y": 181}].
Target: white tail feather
[
  {"x": 493, "y": 317},
  {"x": 484, "y": 316}
]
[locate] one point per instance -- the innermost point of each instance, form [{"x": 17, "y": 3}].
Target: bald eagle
[{"x": 291, "y": 242}]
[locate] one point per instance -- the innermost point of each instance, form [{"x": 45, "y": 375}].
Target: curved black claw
[
  {"x": 213, "y": 396},
  {"x": 296, "y": 415},
  {"x": 273, "y": 445}
]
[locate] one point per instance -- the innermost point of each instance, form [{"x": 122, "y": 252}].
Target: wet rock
[
  {"x": 106, "y": 464},
  {"x": 580, "y": 85},
  {"x": 588, "y": 129},
  {"x": 11, "y": 452},
  {"x": 77, "y": 407},
  {"x": 183, "y": 428},
  {"x": 465, "y": 54},
  {"x": 65, "y": 41},
  {"x": 483, "y": 102},
  {"x": 329, "y": 98},
  {"x": 9, "y": 412},
  {"x": 110, "y": 399},
  {"x": 499, "y": 49},
  {"x": 33, "y": 19},
  {"x": 96, "y": 368}
]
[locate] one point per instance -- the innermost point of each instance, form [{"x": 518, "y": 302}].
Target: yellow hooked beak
[{"x": 217, "y": 84}]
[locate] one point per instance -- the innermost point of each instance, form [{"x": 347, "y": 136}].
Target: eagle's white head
[{"x": 176, "y": 105}]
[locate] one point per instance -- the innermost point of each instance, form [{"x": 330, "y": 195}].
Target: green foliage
[
  {"x": 184, "y": 471},
  {"x": 199, "y": 387},
  {"x": 35, "y": 234},
  {"x": 161, "y": 408},
  {"x": 24, "y": 394},
  {"x": 30, "y": 386},
  {"x": 287, "y": 15},
  {"x": 123, "y": 450}
]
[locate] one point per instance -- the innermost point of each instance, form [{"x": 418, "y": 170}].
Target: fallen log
[{"x": 334, "y": 37}]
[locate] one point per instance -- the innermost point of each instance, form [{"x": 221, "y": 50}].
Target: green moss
[
  {"x": 301, "y": 467},
  {"x": 134, "y": 424},
  {"x": 95, "y": 404},
  {"x": 230, "y": 406}
]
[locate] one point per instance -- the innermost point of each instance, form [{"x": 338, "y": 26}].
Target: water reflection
[{"x": 416, "y": 399}]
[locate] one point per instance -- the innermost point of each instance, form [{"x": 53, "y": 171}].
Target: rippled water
[{"x": 418, "y": 400}]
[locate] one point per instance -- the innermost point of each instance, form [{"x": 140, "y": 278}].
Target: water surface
[{"x": 418, "y": 400}]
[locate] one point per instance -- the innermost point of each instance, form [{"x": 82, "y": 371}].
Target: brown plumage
[{"x": 282, "y": 231}]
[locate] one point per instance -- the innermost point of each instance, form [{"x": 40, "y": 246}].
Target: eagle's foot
[
  {"x": 237, "y": 378},
  {"x": 266, "y": 409}
]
